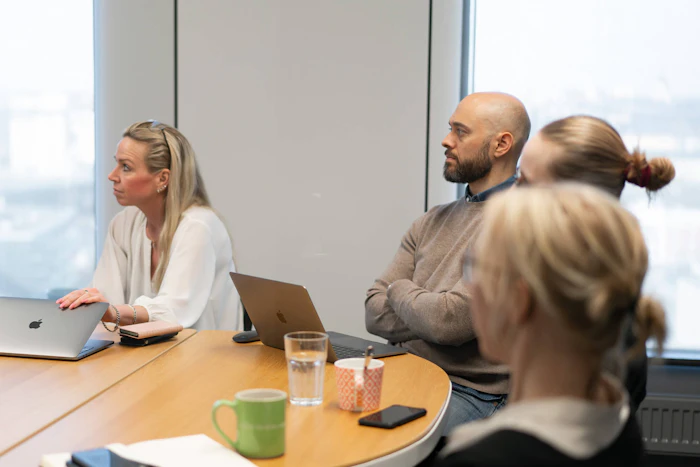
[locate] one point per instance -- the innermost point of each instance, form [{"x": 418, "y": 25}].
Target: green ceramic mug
[{"x": 260, "y": 415}]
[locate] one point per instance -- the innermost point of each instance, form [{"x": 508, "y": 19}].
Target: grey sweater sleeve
[
  {"x": 441, "y": 318},
  {"x": 380, "y": 318}
]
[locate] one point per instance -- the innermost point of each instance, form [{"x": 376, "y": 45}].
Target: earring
[{"x": 158, "y": 190}]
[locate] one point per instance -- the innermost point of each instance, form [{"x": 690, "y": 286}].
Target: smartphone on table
[
  {"x": 392, "y": 416},
  {"x": 101, "y": 457}
]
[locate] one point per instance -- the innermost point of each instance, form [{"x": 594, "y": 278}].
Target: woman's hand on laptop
[{"x": 80, "y": 297}]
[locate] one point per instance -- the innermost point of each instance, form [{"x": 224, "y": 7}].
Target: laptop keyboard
[{"x": 347, "y": 352}]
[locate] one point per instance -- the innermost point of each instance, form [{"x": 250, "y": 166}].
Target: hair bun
[
  {"x": 650, "y": 322},
  {"x": 652, "y": 175}
]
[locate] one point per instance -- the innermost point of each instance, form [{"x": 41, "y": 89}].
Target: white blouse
[{"x": 196, "y": 291}]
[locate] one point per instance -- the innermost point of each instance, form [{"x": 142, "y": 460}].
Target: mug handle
[{"x": 218, "y": 404}]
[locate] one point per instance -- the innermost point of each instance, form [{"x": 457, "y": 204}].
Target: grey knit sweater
[{"x": 421, "y": 303}]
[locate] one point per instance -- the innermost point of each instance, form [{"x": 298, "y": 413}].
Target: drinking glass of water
[{"x": 306, "y": 353}]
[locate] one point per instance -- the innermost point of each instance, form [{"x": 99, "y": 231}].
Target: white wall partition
[
  {"x": 134, "y": 80},
  {"x": 445, "y": 80},
  {"x": 309, "y": 121}
]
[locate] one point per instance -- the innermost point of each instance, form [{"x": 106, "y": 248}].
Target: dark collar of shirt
[{"x": 484, "y": 195}]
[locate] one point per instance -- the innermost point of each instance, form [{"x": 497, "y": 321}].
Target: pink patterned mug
[{"x": 359, "y": 390}]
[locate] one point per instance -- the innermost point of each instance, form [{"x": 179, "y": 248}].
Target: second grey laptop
[
  {"x": 40, "y": 329},
  {"x": 276, "y": 308}
]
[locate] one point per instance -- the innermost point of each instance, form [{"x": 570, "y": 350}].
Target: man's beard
[{"x": 470, "y": 170}]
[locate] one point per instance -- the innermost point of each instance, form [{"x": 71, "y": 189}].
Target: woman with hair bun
[{"x": 589, "y": 150}]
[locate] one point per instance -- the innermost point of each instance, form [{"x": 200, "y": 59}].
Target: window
[
  {"x": 47, "y": 233},
  {"x": 631, "y": 63}
]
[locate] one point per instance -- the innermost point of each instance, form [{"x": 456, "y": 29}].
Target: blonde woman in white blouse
[{"x": 167, "y": 255}]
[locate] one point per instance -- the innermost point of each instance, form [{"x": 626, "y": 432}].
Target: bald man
[{"x": 420, "y": 302}]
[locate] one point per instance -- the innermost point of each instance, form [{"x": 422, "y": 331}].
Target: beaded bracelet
[{"x": 116, "y": 325}]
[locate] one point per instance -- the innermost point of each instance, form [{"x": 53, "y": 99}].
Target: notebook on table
[{"x": 184, "y": 451}]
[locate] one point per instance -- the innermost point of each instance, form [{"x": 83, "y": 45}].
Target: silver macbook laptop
[
  {"x": 40, "y": 329},
  {"x": 276, "y": 308}
]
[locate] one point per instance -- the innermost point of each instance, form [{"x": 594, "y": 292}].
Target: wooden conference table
[
  {"x": 35, "y": 393},
  {"x": 172, "y": 396}
]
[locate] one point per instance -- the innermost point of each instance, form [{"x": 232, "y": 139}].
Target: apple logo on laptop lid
[
  {"x": 281, "y": 317},
  {"x": 35, "y": 324}
]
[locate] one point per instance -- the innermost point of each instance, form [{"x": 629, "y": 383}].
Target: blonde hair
[
  {"x": 582, "y": 256},
  {"x": 593, "y": 152},
  {"x": 169, "y": 149}
]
